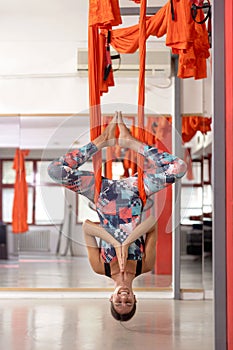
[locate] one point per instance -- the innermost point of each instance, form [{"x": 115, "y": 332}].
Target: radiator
[{"x": 33, "y": 241}]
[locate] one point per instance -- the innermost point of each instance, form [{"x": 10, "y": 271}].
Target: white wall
[{"x": 39, "y": 41}]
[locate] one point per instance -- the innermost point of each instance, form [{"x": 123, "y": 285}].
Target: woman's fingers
[{"x": 122, "y": 255}]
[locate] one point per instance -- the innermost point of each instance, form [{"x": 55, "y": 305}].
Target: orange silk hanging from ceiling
[
  {"x": 186, "y": 38},
  {"x": 141, "y": 96},
  {"x": 94, "y": 100},
  {"x": 102, "y": 13}
]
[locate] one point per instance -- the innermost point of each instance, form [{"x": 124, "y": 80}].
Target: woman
[
  {"x": 139, "y": 255},
  {"x": 119, "y": 205}
]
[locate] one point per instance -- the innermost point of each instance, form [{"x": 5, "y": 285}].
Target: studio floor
[
  {"x": 65, "y": 320},
  {"x": 53, "y": 271},
  {"x": 86, "y": 324}
]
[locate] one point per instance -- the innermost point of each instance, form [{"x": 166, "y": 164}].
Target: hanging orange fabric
[
  {"x": 20, "y": 203},
  {"x": 94, "y": 101},
  {"x": 141, "y": 96},
  {"x": 102, "y": 13},
  {"x": 126, "y": 40},
  {"x": 192, "y": 60},
  {"x": 192, "y": 124},
  {"x": 185, "y": 37}
]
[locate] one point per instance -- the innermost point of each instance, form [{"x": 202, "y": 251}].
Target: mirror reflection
[
  {"x": 70, "y": 241},
  {"x": 196, "y": 223},
  {"x": 52, "y": 253}
]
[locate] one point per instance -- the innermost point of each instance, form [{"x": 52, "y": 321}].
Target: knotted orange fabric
[
  {"x": 104, "y": 13},
  {"x": 186, "y": 38},
  {"x": 20, "y": 203}
]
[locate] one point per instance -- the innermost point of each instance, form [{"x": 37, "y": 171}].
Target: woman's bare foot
[
  {"x": 125, "y": 138},
  {"x": 108, "y": 136}
]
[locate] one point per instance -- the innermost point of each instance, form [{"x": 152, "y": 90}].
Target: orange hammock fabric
[
  {"x": 192, "y": 124},
  {"x": 141, "y": 95},
  {"x": 104, "y": 13},
  {"x": 20, "y": 203},
  {"x": 94, "y": 100},
  {"x": 186, "y": 38}
]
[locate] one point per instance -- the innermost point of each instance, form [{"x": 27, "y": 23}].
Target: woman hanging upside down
[{"x": 120, "y": 209}]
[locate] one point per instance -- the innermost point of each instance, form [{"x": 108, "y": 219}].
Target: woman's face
[{"x": 123, "y": 299}]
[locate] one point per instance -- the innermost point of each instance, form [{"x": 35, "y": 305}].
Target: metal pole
[
  {"x": 219, "y": 176},
  {"x": 177, "y": 150}
]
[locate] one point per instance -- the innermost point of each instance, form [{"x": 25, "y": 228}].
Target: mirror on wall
[
  {"x": 9, "y": 142},
  {"x": 52, "y": 252},
  {"x": 196, "y": 215}
]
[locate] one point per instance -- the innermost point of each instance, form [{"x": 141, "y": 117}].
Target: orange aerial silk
[
  {"x": 94, "y": 101},
  {"x": 102, "y": 13},
  {"x": 186, "y": 38},
  {"x": 20, "y": 206},
  {"x": 141, "y": 96},
  {"x": 192, "y": 124}
]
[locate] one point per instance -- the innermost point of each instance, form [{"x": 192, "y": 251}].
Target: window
[
  {"x": 45, "y": 198},
  {"x": 196, "y": 198}
]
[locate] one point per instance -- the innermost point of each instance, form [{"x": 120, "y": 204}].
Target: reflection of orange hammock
[
  {"x": 190, "y": 126},
  {"x": 20, "y": 207},
  {"x": 185, "y": 37}
]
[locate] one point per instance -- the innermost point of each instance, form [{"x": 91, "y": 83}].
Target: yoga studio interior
[{"x": 66, "y": 67}]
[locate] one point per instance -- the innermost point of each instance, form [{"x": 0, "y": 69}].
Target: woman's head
[{"x": 123, "y": 303}]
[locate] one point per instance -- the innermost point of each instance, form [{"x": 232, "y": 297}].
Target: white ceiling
[{"x": 43, "y": 132}]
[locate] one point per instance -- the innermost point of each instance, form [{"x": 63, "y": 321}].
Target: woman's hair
[{"x": 123, "y": 317}]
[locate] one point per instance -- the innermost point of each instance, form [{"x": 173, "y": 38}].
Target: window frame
[{"x": 33, "y": 184}]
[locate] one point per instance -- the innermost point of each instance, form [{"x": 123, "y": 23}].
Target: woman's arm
[
  {"x": 144, "y": 227},
  {"x": 95, "y": 230},
  {"x": 93, "y": 250},
  {"x": 140, "y": 230},
  {"x": 92, "y": 230},
  {"x": 150, "y": 249}
]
